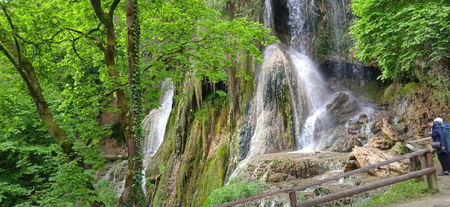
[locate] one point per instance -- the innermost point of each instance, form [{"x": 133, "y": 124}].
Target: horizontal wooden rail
[
  {"x": 420, "y": 140},
  {"x": 319, "y": 182},
  {"x": 367, "y": 187}
]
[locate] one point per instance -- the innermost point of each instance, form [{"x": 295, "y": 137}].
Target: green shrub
[
  {"x": 413, "y": 188},
  {"x": 236, "y": 189}
]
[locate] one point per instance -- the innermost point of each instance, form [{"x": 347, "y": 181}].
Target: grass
[{"x": 405, "y": 190}]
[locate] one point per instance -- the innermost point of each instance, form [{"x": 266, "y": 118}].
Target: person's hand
[{"x": 443, "y": 148}]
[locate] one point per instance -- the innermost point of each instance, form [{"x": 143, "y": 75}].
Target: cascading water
[
  {"x": 315, "y": 107},
  {"x": 155, "y": 124},
  {"x": 302, "y": 20}
]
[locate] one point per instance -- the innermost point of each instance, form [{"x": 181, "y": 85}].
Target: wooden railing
[{"x": 427, "y": 170}]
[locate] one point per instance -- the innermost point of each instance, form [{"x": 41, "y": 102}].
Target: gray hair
[{"x": 438, "y": 119}]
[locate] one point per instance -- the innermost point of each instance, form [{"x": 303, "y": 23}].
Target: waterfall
[
  {"x": 302, "y": 20},
  {"x": 267, "y": 18},
  {"x": 155, "y": 122},
  {"x": 155, "y": 125},
  {"x": 292, "y": 65}
]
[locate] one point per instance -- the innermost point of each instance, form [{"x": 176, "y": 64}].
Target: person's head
[{"x": 430, "y": 122}]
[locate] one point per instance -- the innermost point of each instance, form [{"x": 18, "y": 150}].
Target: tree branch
[
  {"x": 74, "y": 39},
  {"x": 19, "y": 55},
  {"x": 113, "y": 7},
  {"x": 97, "y": 6},
  {"x": 10, "y": 58}
]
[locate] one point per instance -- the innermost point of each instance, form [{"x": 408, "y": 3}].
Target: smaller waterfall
[
  {"x": 315, "y": 85},
  {"x": 317, "y": 93},
  {"x": 268, "y": 19},
  {"x": 155, "y": 124}
]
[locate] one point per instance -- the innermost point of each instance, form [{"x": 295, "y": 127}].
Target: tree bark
[{"x": 132, "y": 192}]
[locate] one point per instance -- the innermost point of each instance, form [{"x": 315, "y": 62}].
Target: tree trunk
[
  {"x": 109, "y": 54},
  {"x": 132, "y": 193},
  {"x": 28, "y": 74}
]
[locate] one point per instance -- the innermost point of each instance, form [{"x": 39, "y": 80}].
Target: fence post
[
  {"x": 293, "y": 198},
  {"x": 431, "y": 178},
  {"x": 422, "y": 164}
]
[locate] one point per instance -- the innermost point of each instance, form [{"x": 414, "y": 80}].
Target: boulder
[
  {"x": 342, "y": 108},
  {"x": 345, "y": 144},
  {"x": 365, "y": 156},
  {"x": 386, "y": 136}
]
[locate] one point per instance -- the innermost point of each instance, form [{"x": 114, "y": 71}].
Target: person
[{"x": 437, "y": 135}]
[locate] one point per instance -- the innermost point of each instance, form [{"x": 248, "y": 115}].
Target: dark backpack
[{"x": 446, "y": 129}]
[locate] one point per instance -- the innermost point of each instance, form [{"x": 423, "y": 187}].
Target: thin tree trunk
[{"x": 133, "y": 192}]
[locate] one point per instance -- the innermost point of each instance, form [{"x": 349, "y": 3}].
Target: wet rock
[
  {"x": 345, "y": 144},
  {"x": 354, "y": 125},
  {"x": 381, "y": 142},
  {"x": 342, "y": 108},
  {"x": 266, "y": 128},
  {"x": 246, "y": 135},
  {"x": 281, "y": 167},
  {"x": 400, "y": 128},
  {"x": 365, "y": 156},
  {"x": 281, "y": 20}
]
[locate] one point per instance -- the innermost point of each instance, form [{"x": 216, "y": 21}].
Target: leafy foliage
[
  {"x": 401, "y": 36},
  {"x": 236, "y": 189},
  {"x": 187, "y": 36}
]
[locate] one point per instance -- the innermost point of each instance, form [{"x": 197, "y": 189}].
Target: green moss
[
  {"x": 401, "y": 191},
  {"x": 399, "y": 148},
  {"x": 374, "y": 90},
  {"x": 389, "y": 93},
  {"x": 213, "y": 175},
  {"x": 410, "y": 87}
]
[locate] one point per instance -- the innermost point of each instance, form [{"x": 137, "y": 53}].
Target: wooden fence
[{"x": 425, "y": 169}]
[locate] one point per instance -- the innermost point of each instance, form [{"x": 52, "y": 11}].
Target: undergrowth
[{"x": 236, "y": 189}]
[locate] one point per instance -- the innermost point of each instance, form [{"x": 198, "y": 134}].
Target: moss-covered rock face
[{"x": 200, "y": 146}]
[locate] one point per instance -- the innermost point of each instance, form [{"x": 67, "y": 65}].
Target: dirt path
[{"x": 441, "y": 199}]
